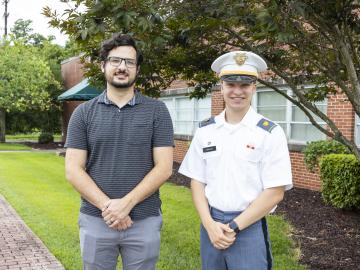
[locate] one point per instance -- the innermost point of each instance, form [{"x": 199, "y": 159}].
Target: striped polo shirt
[{"x": 119, "y": 143}]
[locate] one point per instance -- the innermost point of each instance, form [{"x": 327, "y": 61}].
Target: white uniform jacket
[{"x": 237, "y": 162}]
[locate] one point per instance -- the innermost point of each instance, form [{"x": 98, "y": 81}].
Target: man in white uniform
[{"x": 240, "y": 167}]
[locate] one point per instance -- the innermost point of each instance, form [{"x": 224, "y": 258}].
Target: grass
[
  {"x": 49, "y": 205},
  {"x": 30, "y": 137},
  {"x": 13, "y": 146}
]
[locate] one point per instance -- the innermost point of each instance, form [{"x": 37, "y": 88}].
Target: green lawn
[
  {"x": 13, "y": 146},
  {"x": 34, "y": 184},
  {"x": 30, "y": 137}
]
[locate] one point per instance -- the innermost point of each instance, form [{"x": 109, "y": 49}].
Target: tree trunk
[{"x": 2, "y": 125}]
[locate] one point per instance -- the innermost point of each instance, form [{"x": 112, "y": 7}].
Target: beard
[{"x": 121, "y": 85}]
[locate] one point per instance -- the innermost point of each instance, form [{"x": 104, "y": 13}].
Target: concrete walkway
[{"x": 20, "y": 248}]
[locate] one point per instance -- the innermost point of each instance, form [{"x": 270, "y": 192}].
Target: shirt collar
[
  {"x": 250, "y": 119},
  {"x": 136, "y": 99},
  {"x": 220, "y": 119}
]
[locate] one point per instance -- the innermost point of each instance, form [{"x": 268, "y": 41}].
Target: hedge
[
  {"x": 340, "y": 176},
  {"x": 315, "y": 150}
]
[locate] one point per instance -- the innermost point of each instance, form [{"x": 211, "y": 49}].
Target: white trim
[
  {"x": 357, "y": 130},
  {"x": 288, "y": 116}
]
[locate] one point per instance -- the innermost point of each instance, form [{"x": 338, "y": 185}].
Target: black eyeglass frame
[{"x": 129, "y": 62}]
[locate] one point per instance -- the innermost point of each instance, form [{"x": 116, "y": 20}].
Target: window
[
  {"x": 186, "y": 113},
  {"x": 293, "y": 120},
  {"x": 357, "y": 130},
  {"x": 273, "y": 106}
]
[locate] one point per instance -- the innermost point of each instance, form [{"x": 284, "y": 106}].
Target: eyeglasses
[{"x": 116, "y": 61}]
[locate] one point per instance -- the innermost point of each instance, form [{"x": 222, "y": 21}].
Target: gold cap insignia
[
  {"x": 240, "y": 58},
  {"x": 266, "y": 123}
]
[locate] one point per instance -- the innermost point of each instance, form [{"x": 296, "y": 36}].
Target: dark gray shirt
[{"x": 119, "y": 142}]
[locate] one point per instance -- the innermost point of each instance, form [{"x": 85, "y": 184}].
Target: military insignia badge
[
  {"x": 266, "y": 125},
  {"x": 240, "y": 58}
]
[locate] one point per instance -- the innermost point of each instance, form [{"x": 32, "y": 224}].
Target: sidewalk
[{"x": 20, "y": 248}]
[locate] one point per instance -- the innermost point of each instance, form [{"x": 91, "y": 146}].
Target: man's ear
[
  {"x": 254, "y": 87},
  {"x": 137, "y": 70},
  {"x": 102, "y": 66}
]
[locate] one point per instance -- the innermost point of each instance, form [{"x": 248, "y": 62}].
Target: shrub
[
  {"x": 315, "y": 150},
  {"x": 340, "y": 176},
  {"x": 45, "y": 137}
]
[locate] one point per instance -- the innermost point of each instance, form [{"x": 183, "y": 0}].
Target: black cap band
[{"x": 238, "y": 78}]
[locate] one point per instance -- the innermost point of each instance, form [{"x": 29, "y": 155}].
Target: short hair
[{"x": 118, "y": 40}]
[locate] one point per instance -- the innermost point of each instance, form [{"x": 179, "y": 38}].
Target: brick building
[{"x": 186, "y": 114}]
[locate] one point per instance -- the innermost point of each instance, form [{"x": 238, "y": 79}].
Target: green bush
[
  {"x": 33, "y": 121},
  {"x": 315, "y": 150},
  {"x": 340, "y": 176},
  {"x": 46, "y": 137}
]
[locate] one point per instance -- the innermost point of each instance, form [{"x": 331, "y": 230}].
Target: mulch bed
[
  {"x": 44, "y": 146},
  {"x": 329, "y": 238}
]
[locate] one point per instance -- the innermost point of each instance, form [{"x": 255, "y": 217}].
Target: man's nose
[
  {"x": 122, "y": 65},
  {"x": 238, "y": 89}
]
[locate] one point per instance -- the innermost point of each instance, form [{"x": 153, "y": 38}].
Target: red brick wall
[
  {"x": 339, "y": 109},
  {"x": 217, "y": 103},
  {"x": 72, "y": 72},
  {"x": 68, "y": 108},
  {"x": 180, "y": 150},
  {"x": 301, "y": 176}
]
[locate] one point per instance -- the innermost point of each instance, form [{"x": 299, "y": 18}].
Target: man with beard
[{"x": 119, "y": 152}]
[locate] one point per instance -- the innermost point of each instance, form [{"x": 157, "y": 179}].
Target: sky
[{"x": 31, "y": 10}]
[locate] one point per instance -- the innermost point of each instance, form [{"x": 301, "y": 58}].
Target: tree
[
  {"x": 22, "y": 31},
  {"x": 302, "y": 42},
  {"x": 139, "y": 18},
  {"x": 50, "y": 119},
  {"x": 24, "y": 79}
]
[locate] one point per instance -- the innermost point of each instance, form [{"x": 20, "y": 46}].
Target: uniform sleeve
[
  {"x": 163, "y": 132},
  {"x": 276, "y": 165},
  {"x": 193, "y": 165},
  {"x": 76, "y": 132}
]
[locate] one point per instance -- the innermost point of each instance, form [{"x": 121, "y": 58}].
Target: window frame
[
  {"x": 194, "y": 110},
  {"x": 288, "y": 112},
  {"x": 357, "y": 130}
]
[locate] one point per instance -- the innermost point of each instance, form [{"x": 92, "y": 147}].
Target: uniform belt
[{"x": 223, "y": 216}]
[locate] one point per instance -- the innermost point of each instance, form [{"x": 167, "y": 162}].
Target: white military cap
[{"x": 239, "y": 66}]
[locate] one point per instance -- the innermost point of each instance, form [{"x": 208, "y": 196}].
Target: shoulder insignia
[
  {"x": 208, "y": 121},
  {"x": 266, "y": 125}
]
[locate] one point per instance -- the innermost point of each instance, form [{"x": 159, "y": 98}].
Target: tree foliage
[
  {"x": 142, "y": 19},
  {"x": 22, "y": 31},
  {"x": 30, "y": 76},
  {"x": 303, "y": 42},
  {"x": 25, "y": 77}
]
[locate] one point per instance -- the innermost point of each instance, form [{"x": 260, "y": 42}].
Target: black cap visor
[{"x": 239, "y": 78}]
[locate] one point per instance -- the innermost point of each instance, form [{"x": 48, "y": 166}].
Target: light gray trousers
[{"x": 139, "y": 245}]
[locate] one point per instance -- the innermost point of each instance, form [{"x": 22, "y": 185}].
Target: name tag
[{"x": 209, "y": 149}]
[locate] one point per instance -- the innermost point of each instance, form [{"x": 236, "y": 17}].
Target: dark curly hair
[{"x": 118, "y": 40}]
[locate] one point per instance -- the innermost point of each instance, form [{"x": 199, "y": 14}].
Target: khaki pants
[{"x": 138, "y": 246}]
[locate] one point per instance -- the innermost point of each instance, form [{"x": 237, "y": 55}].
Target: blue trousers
[{"x": 250, "y": 251}]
